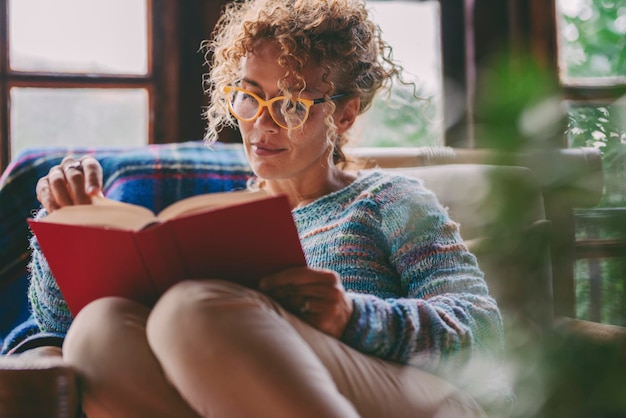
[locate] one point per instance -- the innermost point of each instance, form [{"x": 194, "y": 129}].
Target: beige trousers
[{"x": 215, "y": 349}]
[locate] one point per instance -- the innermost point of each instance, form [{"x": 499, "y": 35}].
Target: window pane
[
  {"x": 78, "y": 117},
  {"x": 592, "y": 41},
  {"x": 601, "y": 290},
  {"x": 412, "y": 29},
  {"x": 603, "y": 127},
  {"x": 96, "y": 36}
]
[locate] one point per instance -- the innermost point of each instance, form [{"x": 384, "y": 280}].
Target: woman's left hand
[{"x": 316, "y": 295}]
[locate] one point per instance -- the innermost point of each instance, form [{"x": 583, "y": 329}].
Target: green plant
[
  {"x": 603, "y": 127},
  {"x": 593, "y": 35}
]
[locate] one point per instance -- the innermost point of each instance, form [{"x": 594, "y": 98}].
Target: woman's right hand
[{"x": 73, "y": 182}]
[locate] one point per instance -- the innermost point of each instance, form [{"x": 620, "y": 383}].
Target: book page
[
  {"x": 103, "y": 212},
  {"x": 110, "y": 213},
  {"x": 205, "y": 202}
]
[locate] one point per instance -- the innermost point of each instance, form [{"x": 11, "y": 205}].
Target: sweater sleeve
[
  {"x": 447, "y": 308},
  {"x": 48, "y": 306}
]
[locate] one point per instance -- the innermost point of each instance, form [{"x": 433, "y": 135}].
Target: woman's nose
[{"x": 265, "y": 120}]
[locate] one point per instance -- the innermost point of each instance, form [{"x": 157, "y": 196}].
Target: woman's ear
[{"x": 347, "y": 114}]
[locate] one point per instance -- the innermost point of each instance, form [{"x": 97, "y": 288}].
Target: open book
[{"x": 111, "y": 248}]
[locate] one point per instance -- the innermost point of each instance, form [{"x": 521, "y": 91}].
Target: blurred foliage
[
  {"x": 566, "y": 375},
  {"x": 603, "y": 127},
  {"x": 585, "y": 377},
  {"x": 593, "y": 44},
  {"x": 517, "y": 106},
  {"x": 404, "y": 117},
  {"x": 593, "y": 37}
]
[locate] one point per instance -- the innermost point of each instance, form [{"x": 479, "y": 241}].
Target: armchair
[{"x": 514, "y": 211}]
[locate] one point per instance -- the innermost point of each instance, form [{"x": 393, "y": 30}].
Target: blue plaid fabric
[{"x": 153, "y": 176}]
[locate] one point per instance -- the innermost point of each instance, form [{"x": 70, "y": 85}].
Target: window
[
  {"x": 412, "y": 29},
  {"x": 592, "y": 53},
  {"x": 83, "y": 73}
]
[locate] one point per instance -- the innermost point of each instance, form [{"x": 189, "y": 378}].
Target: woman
[{"x": 391, "y": 298}]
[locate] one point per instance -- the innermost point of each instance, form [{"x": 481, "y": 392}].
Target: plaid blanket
[{"x": 153, "y": 176}]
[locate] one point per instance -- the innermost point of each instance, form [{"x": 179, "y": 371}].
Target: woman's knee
[
  {"x": 186, "y": 298},
  {"x": 204, "y": 292},
  {"x": 101, "y": 324},
  {"x": 200, "y": 307}
]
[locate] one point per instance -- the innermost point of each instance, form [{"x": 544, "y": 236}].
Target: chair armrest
[
  {"x": 571, "y": 176},
  {"x": 592, "y": 331},
  {"x": 37, "y": 388}
]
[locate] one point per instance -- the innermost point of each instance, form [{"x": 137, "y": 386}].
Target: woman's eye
[{"x": 247, "y": 96}]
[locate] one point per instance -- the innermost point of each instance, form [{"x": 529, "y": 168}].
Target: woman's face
[{"x": 272, "y": 152}]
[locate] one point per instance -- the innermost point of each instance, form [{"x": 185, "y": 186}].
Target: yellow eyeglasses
[{"x": 287, "y": 113}]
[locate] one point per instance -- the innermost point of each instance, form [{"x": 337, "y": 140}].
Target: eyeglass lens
[{"x": 246, "y": 106}]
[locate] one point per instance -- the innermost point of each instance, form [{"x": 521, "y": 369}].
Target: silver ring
[
  {"x": 305, "y": 308},
  {"x": 76, "y": 165}
]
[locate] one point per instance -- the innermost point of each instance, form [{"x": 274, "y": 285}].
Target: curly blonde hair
[{"x": 337, "y": 34}]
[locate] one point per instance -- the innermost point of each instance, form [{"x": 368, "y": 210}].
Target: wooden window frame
[{"x": 161, "y": 80}]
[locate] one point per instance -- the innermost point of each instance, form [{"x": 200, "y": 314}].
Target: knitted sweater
[{"x": 418, "y": 293}]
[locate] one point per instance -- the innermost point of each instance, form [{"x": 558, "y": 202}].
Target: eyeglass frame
[{"x": 308, "y": 103}]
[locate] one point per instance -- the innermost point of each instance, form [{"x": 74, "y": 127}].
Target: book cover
[{"x": 242, "y": 242}]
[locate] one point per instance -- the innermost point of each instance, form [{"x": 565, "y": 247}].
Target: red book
[{"x": 111, "y": 248}]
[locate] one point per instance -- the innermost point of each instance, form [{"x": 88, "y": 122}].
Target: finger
[
  {"x": 44, "y": 195},
  {"x": 311, "y": 299},
  {"x": 307, "y": 306},
  {"x": 59, "y": 190},
  {"x": 316, "y": 307},
  {"x": 282, "y": 292},
  {"x": 292, "y": 304},
  {"x": 93, "y": 175},
  {"x": 75, "y": 178}
]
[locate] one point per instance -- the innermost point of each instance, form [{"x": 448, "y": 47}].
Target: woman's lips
[{"x": 266, "y": 150}]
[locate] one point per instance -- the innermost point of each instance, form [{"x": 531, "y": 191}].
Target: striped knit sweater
[{"x": 418, "y": 293}]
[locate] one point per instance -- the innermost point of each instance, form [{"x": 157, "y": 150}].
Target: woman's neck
[{"x": 301, "y": 192}]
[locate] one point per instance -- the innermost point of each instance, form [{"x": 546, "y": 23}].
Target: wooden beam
[
  {"x": 457, "y": 114},
  {"x": 165, "y": 58},
  {"x": 5, "y": 150}
]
